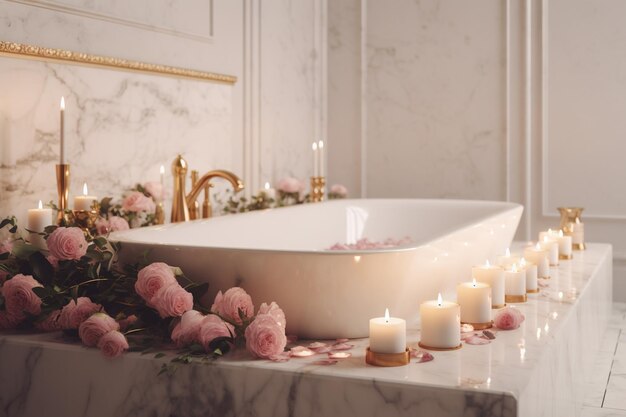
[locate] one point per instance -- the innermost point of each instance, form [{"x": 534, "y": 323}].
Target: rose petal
[
  {"x": 339, "y": 355},
  {"x": 317, "y": 345},
  {"x": 324, "y": 362},
  {"x": 281, "y": 357},
  {"x": 489, "y": 334},
  {"x": 465, "y": 328},
  {"x": 342, "y": 340},
  {"x": 301, "y": 352},
  {"x": 423, "y": 356},
  {"x": 477, "y": 340},
  {"x": 342, "y": 346}
]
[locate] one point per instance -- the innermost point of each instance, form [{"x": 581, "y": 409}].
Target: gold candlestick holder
[
  {"x": 86, "y": 219},
  {"x": 572, "y": 225},
  {"x": 63, "y": 189},
  {"x": 318, "y": 188},
  {"x": 159, "y": 214},
  {"x": 387, "y": 359}
]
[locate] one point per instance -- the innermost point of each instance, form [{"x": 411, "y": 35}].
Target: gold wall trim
[{"x": 59, "y": 55}]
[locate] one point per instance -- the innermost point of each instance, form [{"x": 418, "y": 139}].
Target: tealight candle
[
  {"x": 387, "y": 334},
  {"x": 531, "y": 275},
  {"x": 539, "y": 257},
  {"x": 550, "y": 233},
  {"x": 492, "y": 275},
  {"x": 474, "y": 298},
  {"x": 506, "y": 260},
  {"x": 552, "y": 247},
  {"x": 515, "y": 285},
  {"x": 440, "y": 325},
  {"x": 565, "y": 245},
  {"x": 269, "y": 192},
  {"x": 38, "y": 220},
  {"x": 85, "y": 201}
]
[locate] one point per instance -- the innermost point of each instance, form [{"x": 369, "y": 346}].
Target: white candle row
[{"x": 318, "y": 158}]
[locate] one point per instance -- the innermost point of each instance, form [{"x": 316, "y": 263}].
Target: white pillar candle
[
  {"x": 387, "y": 334},
  {"x": 440, "y": 324},
  {"x": 268, "y": 192},
  {"x": 577, "y": 231},
  {"x": 506, "y": 260},
  {"x": 550, "y": 245},
  {"x": 38, "y": 220},
  {"x": 565, "y": 245},
  {"x": 550, "y": 233},
  {"x": 85, "y": 201},
  {"x": 493, "y": 276},
  {"x": 539, "y": 257},
  {"x": 474, "y": 298},
  {"x": 531, "y": 275},
  {"x": 515, "y": 285}
]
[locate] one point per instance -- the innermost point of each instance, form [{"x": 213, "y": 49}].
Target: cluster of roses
[
  {"x": 232, "y": 310},
  {"x": 293, "y": 188},
  {"x": 135, "y": 209}
]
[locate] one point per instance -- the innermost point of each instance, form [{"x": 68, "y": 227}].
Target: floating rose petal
[
  {"x": 281, "y": 357},
  {"x": 489, "y": 334},
  {"x": 465, "y": 328},
  {"x": 317, "y": 345},
  {"x": 301, "y": 352},
  {"x": 342, "y": 346},
  {"x": 339, "y": 355},
  {"x": 477, "y": 340},
  {"x": 342, "y": 340},
  {"x": 422, "y": 356},
  {"x": 324, "y": 362}
]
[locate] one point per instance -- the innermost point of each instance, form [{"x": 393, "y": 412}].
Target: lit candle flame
[
  {"x": 577, "y": 220},
  {"x": 40, "y": 205},
  {"x": 314, "y": 146},
  {"x": 514, "y": 268},
  {"x": 473, "y": 282},
  {"x": 85, "y": 190},
  {"x": 560, "y": 233},
  {"x": 386, "y": 315},
  {"x": 439, "y": 300},
  {"x": 538, "y": 246},
  {"x": 162, "y": 170},
  {"x": 487, "y": 264},
  {"x": 549, "y": 231},
  {"x": 507, "y": 253},
  {"x": 320, "y": 144},
  {"x": 267, "y": 185},
  {"x": 545, "y": 239},
  {"x": 522, "y": 263},
  {"x": 62, "y": 103}
]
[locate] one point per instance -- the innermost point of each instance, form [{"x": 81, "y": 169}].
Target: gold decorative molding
[{"x": 59, "y": 55}]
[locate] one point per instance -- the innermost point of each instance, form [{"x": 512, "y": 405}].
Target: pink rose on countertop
[
  {"x": 172, "y": 301},
  {"x": 9, "y": 321},
  {"x": 137, "y": 202},
  {"x": 152, "y": 278},
  {"x": 6, "y": 245},
  {"x": 213, "y": 327},
  {"x": 289, "y": 185},
  {"x": 50, "y": 323},
  {"x": 508, "y": 318},
  {"x": 67, "y": 243},
  {"x": 96, "y": 326},
  {"x": 19, "y": 297},
  {"x": 231, "y": 302},
  {"x": 275, "y": 312},
  {"x": 113, "y": 344},
  {"x": 265, "y": 337},
  {"x": 186, "y": 332},
  {"x": 76, "y": 312},
  {"x": 339, "y": 190},
  {"x": 155, "y": 189}
]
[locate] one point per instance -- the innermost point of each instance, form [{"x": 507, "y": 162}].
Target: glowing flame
[
  {"x": 549, "y": 231},
  {"x": 545, "y": 239},
  {"x": 538, "y": 246},
  {"x": 439, "y": 300},
  {"x": 314, "y": 146},
  {"x": 162, "y": 170},
  {"x": 560, "y": 233},
  {"x": 514, "y": 268},
  {"x": 320, "y": 144},
  {"x": 577, "y": 220},
  {"x": 473, "y": 282},
  {"x": 267, "y": 185},
  {"x": 40, "y": 205},
  {"x": 62, "y": 103},
  {"x": 522, "y": 263},
  {"x": 487, "y": 264},
  {"x": 507, "y": 253},
  {"x": 85, "y": 190},
  {"x": 387, "y": 315}
]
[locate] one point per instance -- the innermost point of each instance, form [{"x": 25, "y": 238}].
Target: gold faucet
[{"x": 181, "y": 201}]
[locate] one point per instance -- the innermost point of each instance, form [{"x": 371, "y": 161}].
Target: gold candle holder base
[
  {"x": 85, "y": 219},
  {"x": 423, "y": 346},
  {"x": 566, "y": 257},
  {"x": 318, "y": 187},
  {"x": 515, "y": 298},
  {"x": 497, "y": 306},
  {"x": 479, "y": 326},
  {"x": 63, "y": 190},
  {"x": 387, "y": 359},
  {"x": 579, "y": 246},
  {"x": 159, "y": 214},
  {"x": 532, "y": 291}
]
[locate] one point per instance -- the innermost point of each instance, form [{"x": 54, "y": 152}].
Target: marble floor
[{"x": 606, "y": 393}]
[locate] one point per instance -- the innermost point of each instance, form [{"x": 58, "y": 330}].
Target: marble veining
[{"x": 536, "y": 370}]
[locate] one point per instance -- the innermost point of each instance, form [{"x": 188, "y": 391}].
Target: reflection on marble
[
  {"x": 119, "y": 128},
  {"x": 518, "y": 374}
]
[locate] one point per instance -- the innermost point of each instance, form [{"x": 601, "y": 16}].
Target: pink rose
[
  {"x": 186, "y": 332},
  {"x": 19, "y": 297},
  {"x": 112, "y": 344},
  {"x": 155, "y": 189},
  {"x": 6, "y": 246},
  {"x": 231, "y": 302},
  {"x": 275, "y": 312},
  {"x": 172, "y": 301},
  {"x": 508, "y": 318},
  {"x": 67, "y": 243},
  {"x": 265, "y": 337},
  {"x": 50, "y": 323},
  {"x": 213, "y": 327},
  {"x": 102, "y": 226},
  {"x": 137, "y": 202},
  {"x": 9, "y": 321},
  {"x": 127, "y": 322},
  {"x": 339, "y": 190},
  {"x": 76, "y": 312},
  {"x": 152, "y": 278},
  {"x": 113, "y": 224},
  {"x": 289, "y": 185},
  {"x": 96, "y": 326}
]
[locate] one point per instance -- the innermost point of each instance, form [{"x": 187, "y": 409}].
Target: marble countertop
[{"x": 496, "y": 378}]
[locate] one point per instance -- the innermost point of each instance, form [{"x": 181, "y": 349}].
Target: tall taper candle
[
  {"x": 320, "y": 149},
  {"x": 316, "y": 157},
  {"x": 62, "y": 156}
]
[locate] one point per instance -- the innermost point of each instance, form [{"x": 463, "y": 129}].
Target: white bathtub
[{"x": 279, "y": 255}]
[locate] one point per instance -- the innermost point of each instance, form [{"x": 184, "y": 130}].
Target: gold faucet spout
[{"x": 234, "y": 180}]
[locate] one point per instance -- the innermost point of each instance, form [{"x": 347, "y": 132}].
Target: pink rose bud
[
  {"x": 67, "y": 243},
  {"x": 137, "y": 202},
  {"x": 50, "y": 323},
  {"x": 265, "y": 338},
  {"x": 96, "y": 326},
  {"x": 152, "y": 278},
  {"x": 172, "y": 301},
  {"x": 186, "y": 332},
  {"x": 74, "y": 313},
  {"x": 113, "y": 344},
  {"x": 231, "y": 302},
  {"x": 213, "y": 327},
  {"x": 274, "y": 311},
  {"x": 508, "y": 318},
  {"x": 19, "y": 297}
]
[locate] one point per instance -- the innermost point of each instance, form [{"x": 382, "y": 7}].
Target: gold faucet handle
[
  {"x": 194, "y": 206},
  {"x": 207, "y": 210}
]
